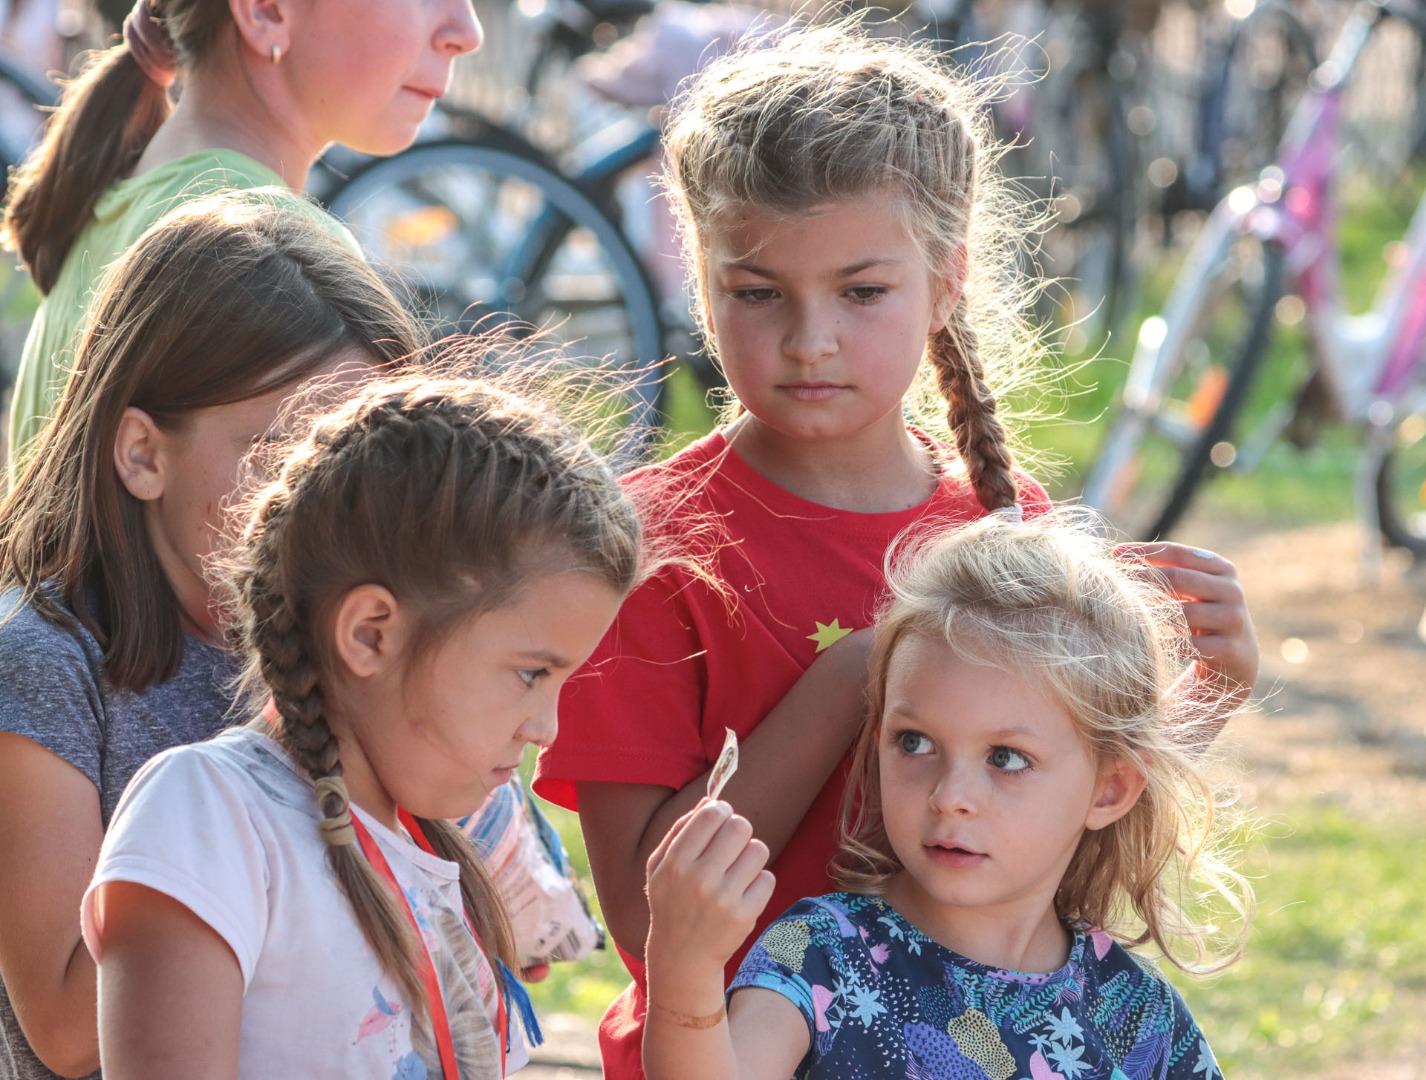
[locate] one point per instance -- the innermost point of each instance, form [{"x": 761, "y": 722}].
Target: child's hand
[
  {"x": 706, "y": 887},
  {"x": 1225, "y": 644}
]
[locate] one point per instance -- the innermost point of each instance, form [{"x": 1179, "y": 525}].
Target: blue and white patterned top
[{"x": 882, "y": 999}]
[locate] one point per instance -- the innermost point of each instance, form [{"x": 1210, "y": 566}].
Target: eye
[
  {"x": 1008, "y": 760},
  {"x": 754, "y": 294},
  {"x": 530, "y": 676},
  {"x": 913, "y": 743},
  {"x": 867, "y": 294}
]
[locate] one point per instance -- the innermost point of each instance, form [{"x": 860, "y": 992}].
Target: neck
[
  {"x": 879, "y": 470},
  {"x": 227, "y": 104},
  {"x": 364, "y": 787},
  {"x": 1025, "y": 937}
]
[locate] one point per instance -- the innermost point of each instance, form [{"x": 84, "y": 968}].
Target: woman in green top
[{"x": 266, "y": 85}]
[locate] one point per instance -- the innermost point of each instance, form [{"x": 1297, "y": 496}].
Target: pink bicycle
[{"x": 1269, "y": 254}]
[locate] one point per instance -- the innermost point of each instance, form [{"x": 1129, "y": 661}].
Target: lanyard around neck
[{"x": 435, "y": 1000}]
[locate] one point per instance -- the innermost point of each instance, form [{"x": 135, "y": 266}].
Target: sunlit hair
[
  {"x": 453, "y": 495},
  {"x": 105, "y": 119},
  {"x": 223, "y": 300},
  {"x": 1045, "y": 600},
  {"x": 804, "y": 117}
]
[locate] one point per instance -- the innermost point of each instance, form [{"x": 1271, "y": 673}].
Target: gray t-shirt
[{"x": 52, "y": 690}]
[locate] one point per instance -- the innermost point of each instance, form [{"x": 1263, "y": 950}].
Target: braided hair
[
  {"x": 804, "y": 117},
  {"x": 451, "y": 494}
]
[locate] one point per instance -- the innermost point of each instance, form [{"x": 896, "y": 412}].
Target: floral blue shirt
[{"x": 882, "y": 999}]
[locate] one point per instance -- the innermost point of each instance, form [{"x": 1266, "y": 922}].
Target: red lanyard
[{"x": 435, "y": 1001}]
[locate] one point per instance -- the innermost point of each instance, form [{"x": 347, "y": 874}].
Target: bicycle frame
[
  {"x": 1363, "y": 368},
  {"x": 1369, "y": 358}
]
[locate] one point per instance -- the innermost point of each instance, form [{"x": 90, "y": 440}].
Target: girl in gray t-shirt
[{"x": 109, "y": 632}]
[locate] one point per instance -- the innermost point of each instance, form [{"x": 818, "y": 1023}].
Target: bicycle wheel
[
  {"x": 1267, "y": 65},
  {"x": 490, "y": 235},
  {"x": 1401, "y": 477},
  {"x": 1191, "y": 375},
  {"x": 1084, "y": 150}
]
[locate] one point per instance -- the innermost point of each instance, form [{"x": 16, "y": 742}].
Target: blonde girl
[
  {"x": 1027, "y": 800},
  {"x": 854, "y": 257},
  {"x": 265, "y": 86},
  {"x": 109, "y": 629},
  {"x": 286, "y": 900}
]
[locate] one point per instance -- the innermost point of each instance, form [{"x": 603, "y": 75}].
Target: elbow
[
  {"x": 628, "y": 922},
  {"x": 66, "y": 1046},
  {"x": 73, "y": 1056}
]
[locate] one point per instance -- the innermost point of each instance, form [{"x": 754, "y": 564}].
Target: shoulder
[
  {"x": 831, "y": 923},
  {"x": 29, "y": 633},
  {"x": 47, "y": 665},
  {"x": 679, "y": 477},
  {"x": 1151, "y": 1015},
  {"x": 238, "y": 767}
]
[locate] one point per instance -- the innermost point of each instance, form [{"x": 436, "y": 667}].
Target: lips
[
  {"x": 812, "y": 391},
  {"x": 503, "y": 773},
  {"x": 953, "y": 855}
]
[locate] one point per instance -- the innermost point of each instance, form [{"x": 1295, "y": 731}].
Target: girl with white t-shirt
[{"x": 432, "y": 562}]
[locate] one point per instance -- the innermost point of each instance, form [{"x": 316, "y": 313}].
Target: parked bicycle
[{"x": 1270, "y": 251}]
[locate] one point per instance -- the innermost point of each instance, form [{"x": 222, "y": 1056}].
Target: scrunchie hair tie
[
  {"x": 337, "y": 831},
  {"x": 150, "y": 45},
  {"x": 1014, "y": 513}
]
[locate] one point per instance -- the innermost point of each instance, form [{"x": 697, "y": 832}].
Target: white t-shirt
[{"x": 229, "y": 829}]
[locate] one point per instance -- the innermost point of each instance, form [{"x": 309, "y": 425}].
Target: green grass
[{"x": 1337, "y": 958}]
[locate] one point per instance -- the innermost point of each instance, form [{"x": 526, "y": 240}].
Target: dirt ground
[{"x": 1342, "y": 716}]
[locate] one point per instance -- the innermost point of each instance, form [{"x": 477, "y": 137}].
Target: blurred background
[{"x": 1235, "y": 319}]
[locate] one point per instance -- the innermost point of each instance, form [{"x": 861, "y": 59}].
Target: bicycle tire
[
  {"x": 1176, "y": 423},
  {"x": 487, "y": 233},
  {"x": 1086, "y": 160},
  {"x": 1267, "y": 68},
  {"x": 1400, "y": 482}
]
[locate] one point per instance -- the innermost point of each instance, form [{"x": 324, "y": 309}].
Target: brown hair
[
  {"x": 224, "y": 300},
  {"x": 452, "y": 495},
  {"x": 106, "y": 117},
  {"x": 798, "y": 119},
  {"x": 1046, "y": 600}
]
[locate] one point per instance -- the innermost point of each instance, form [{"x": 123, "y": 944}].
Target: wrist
[{"x": 678, "y": 985}]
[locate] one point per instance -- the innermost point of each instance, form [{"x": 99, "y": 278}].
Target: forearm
[
  {"x": 686, "y": 1031},
  {"x": 782, "y": 765}
]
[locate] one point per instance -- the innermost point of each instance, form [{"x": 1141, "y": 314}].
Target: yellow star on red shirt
[{"x": 828, "y": 634}]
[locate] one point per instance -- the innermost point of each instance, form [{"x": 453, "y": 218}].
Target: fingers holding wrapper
[{"x": 725, "y": 766}]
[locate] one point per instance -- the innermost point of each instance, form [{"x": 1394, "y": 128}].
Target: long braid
[
  {"x": 971, "y": 410},
  {"x": 276, "y": 638},
  {"x": 452, "y": 495}
]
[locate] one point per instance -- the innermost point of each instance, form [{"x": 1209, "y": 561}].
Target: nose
[
  {"x": 542, "y": 726},
  {"x": 811, "y": 335},
  {"x": 958, "y": 789},
  {"x": 461, "y": 31}
]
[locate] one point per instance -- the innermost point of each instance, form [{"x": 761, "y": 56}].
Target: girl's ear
[
  {"x": 950, "y": 284},
  {"x": 262, "y": 24},
  {"x": 370, "y": 629},
  {"x": 138, "y": 455},
  {"x": 1117, "y": 789}
]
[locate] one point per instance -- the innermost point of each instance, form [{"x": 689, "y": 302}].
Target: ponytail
[
  {"x": 104, "y": 121},
  {"x": 971, "y": 411}
]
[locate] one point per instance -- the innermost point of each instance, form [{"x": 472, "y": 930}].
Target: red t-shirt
[{"x": 682, "y": 661}]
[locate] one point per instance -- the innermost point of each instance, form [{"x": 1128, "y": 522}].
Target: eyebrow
[
  {"x": 542, "y": 656},
  {"x": 846, "y": 271},
  {"x": 905, "y": 712}
]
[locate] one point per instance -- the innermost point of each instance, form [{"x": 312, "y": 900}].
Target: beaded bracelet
[{"x": 696, "y": 1023}]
